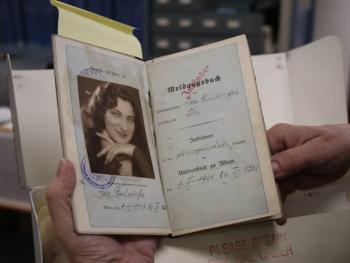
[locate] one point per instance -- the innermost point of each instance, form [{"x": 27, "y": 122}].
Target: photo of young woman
[{"x": 114, "y": 129}]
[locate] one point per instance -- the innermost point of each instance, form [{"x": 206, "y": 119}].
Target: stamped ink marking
[
  {"x": 99, "y": 181},
  {"x": 188, "y": 91}
]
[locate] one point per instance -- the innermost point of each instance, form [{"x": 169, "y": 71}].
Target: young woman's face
[{"x": 120, "y": 121}]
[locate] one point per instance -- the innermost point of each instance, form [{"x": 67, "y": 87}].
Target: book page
[
  {"x": 36, "y": 126},
  {"x": 106, "y": 133},
  {"x": 317, "y": 84},
  {"x": 318, "y": 92},
  {"x": 271, "y": 74},
  {"x": 207, "y": 139}
]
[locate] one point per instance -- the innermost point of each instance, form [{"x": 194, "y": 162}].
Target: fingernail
[
  {"x": 275, "y": 167},
  {"x": 61, "y": 165}
]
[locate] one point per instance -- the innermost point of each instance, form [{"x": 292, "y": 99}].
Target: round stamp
[{"x": 99, "y": 181}]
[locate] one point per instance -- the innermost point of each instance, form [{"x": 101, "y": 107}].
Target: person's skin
[
  {"x": 120, "y": 122},
  {"x": 119, "y": 130},
  {"x": 90, "y": 248},
  {"x": 302, "y": 157},
  {"x": 305, "y": 157}
]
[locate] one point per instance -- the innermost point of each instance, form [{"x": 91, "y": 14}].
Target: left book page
[{"x": 106, "y": 127}]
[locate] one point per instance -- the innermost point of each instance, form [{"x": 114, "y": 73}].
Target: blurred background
[{"x": 162, "y": 27}]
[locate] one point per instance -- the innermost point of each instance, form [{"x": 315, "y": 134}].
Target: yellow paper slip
[{"x": 85, "y": 26}]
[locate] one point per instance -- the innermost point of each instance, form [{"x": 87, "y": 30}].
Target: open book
[
  {"x": 279, "y": 79},
  {"x": 168, "y": 146}
]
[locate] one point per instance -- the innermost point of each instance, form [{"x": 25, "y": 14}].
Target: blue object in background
[
  {"x": 302, "y": 22},
  {"x": 17, "y": 22},
  {"x": 40, "y": 22},
  {"x": 6, "y": 34},
  {"x": 132, "y": 12},
  {"x": 77, "y": 3},
  {"x": 101, "y": 7},
  {"x": 28, "y": 22}
]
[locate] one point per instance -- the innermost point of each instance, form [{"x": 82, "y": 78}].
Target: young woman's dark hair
[{"x": 104, "y": 98}]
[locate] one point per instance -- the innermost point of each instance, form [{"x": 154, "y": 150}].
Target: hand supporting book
[
  {"x": 90, "y": 248},
  {"x": 305, "y": 157}
]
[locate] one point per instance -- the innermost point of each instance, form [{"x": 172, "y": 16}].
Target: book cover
[{"x": 209, "y": 148}]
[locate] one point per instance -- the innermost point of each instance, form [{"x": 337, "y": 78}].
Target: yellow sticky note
[{"x": 85, "y": 26}]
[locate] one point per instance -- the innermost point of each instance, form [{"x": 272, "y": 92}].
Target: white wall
[{"x": 333, "y": 17}]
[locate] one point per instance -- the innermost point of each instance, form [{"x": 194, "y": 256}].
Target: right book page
[
  {"x": 317, "y": 83},
  {"x": 213, "y": 154}
]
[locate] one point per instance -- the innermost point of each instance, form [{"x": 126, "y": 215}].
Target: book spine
[
  {"x": 108, "y": 7},
  {"x": 303, "y": 13},
  {"x": 6, "y": 32},
  {"x": 17, "y": 22},
  {"x": 40, "y": 20},
  {"x": 31, "y": 20}
]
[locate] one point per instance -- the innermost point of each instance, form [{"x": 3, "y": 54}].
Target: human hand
[
  {"x": 112, "y": 149},
  {"x": 304, "y": 157},
  {"x": 90, "y": 248}
]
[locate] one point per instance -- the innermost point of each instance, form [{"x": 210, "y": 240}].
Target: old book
[
  {"x": 304, "y": 66},
  {"x": 168, "y": 146},
  {"x": 285, "y": 81}
]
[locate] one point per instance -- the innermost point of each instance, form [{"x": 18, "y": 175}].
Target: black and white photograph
[{"x": 114, "y": 130}]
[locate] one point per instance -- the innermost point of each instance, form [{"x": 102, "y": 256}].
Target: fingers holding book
[
  {"x": 305, "y": 157},
  {"x": 89, "y": 248}
]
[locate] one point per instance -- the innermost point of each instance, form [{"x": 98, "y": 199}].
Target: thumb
[
  {"x": 293, "y": 160},
  {"x": 58, "y": 197}
]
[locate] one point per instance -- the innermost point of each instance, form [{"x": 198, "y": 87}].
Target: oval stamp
[{"x": 99, "y": 181}]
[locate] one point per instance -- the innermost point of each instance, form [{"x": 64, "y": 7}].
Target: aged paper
[
  {"x": 208, "y": 158},
  {"x": 102, "y": 108},
  {"x": 272, "y": 80},
  {"x": 210, "y": 137}
]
